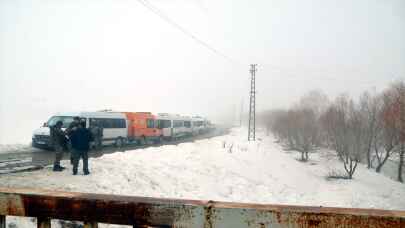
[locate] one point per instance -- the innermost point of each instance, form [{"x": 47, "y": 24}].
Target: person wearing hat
[
  {"x": 59, "y": 141},
  {"x": 73, "y": 125},
  {"x": 80, "y": 139}
]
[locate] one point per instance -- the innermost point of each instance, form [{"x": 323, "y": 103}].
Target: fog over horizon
[{"x": 58, "y": 56}]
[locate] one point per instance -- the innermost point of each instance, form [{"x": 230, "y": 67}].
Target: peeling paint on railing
[{"x": 157, "y": 212}]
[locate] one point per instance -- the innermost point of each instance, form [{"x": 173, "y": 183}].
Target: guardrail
[{"x": 156, "y": 212}]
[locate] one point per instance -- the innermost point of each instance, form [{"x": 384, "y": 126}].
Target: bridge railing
[{"x": 156, "y": 212}]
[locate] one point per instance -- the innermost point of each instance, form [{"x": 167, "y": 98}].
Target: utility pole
[{"x": 252, "y": 105}]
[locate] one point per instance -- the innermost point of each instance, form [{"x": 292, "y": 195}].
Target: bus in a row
[{"x": 120, "y": 128}]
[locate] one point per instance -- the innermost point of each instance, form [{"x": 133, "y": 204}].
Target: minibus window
[
  {"x": 66, "y": 120},
  {"x": 177, "y": 123},
  {"x": 164, "y": 124},
  {"x": 150, "y": 123},
  {"x": 111, "y": 123},
  {"x": 197, "y": 123}
]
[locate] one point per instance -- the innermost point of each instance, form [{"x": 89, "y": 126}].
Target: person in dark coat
[
  {"x": 80, "y": 140},
  {"x": 73, "y": 125},
  {"x": 59, "y": 142},
  {"x": 97, "y": 131},
  {"x": 69, "y": 130}
]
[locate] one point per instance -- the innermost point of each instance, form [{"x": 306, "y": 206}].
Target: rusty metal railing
[{"x": 155, "y": 212}]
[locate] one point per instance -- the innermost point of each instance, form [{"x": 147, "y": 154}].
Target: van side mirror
[{"x": 45, "y": 125}]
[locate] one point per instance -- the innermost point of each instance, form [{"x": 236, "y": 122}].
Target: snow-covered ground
[{"x": 255, "y": 172}]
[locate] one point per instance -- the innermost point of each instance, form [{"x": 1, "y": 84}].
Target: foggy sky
[{"x": 90, "y": 55}]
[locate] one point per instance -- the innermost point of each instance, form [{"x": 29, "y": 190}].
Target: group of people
[{"x": 80, "y": 139}]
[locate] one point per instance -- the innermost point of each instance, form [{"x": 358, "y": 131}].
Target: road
[{"x": 28, "y": 158}]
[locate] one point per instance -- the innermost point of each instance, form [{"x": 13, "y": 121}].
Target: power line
[
  {"x": 166, "y": 18},
  {"x": 282, "y": 70}
]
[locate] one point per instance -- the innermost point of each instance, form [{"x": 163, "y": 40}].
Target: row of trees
[{"x": 370, "y": 129}]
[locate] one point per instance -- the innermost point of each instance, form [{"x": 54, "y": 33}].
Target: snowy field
[{"x": 224, "y": 168}]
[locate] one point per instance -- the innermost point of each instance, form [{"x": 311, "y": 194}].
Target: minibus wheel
[{"x": 119, "y": 142}]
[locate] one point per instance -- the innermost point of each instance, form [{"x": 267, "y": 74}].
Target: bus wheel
[
  {"x": 119, "y": 142},
  {"x": 142, "y": 141}
]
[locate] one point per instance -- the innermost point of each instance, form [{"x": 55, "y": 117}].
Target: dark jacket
[
  {"x": 97, "y": 131},
  {"x": 80, "y": 139},
  {"x": 57, "y": 136},
  {"x": 72, "y": 127}
]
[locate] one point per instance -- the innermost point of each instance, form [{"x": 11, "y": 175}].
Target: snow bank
[{"x": 225, "y": 168}]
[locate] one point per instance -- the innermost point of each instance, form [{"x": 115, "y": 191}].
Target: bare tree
[
  {"x": 288, "y": 123},
  {"x": 387, "y": 139},
  {"x": 355, "y": 139},
  {"x": 401, "y": 91},
  {"x": 306, "y": 132},
  {"x": 347, "y": 130},
  {"x": 372, "y": 129},
  {"x": 297, "y": 129},
  {"x": 399, "y": 117},
  {"x": 316, "y": 101},
  {"x": 401, "y": 161},
  {"x": 272, "y": 122},
  {"x": 279, "y": 125},
  {"x": 370, "y": 106},
  {"x": 327, "y": 125}
]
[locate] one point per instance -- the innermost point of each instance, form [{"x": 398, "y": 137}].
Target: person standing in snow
[
  {"x": 59, "y": 142},
  {"x": 69, "y": 130},
  {"x": 97, "y": 132},
  {"x": 80, "y": 139}
]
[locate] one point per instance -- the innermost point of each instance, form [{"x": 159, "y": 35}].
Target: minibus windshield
[{"x": 65, "y": 119}]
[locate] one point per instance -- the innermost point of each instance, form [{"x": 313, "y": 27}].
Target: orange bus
[{"x": 142, "y": 128}]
